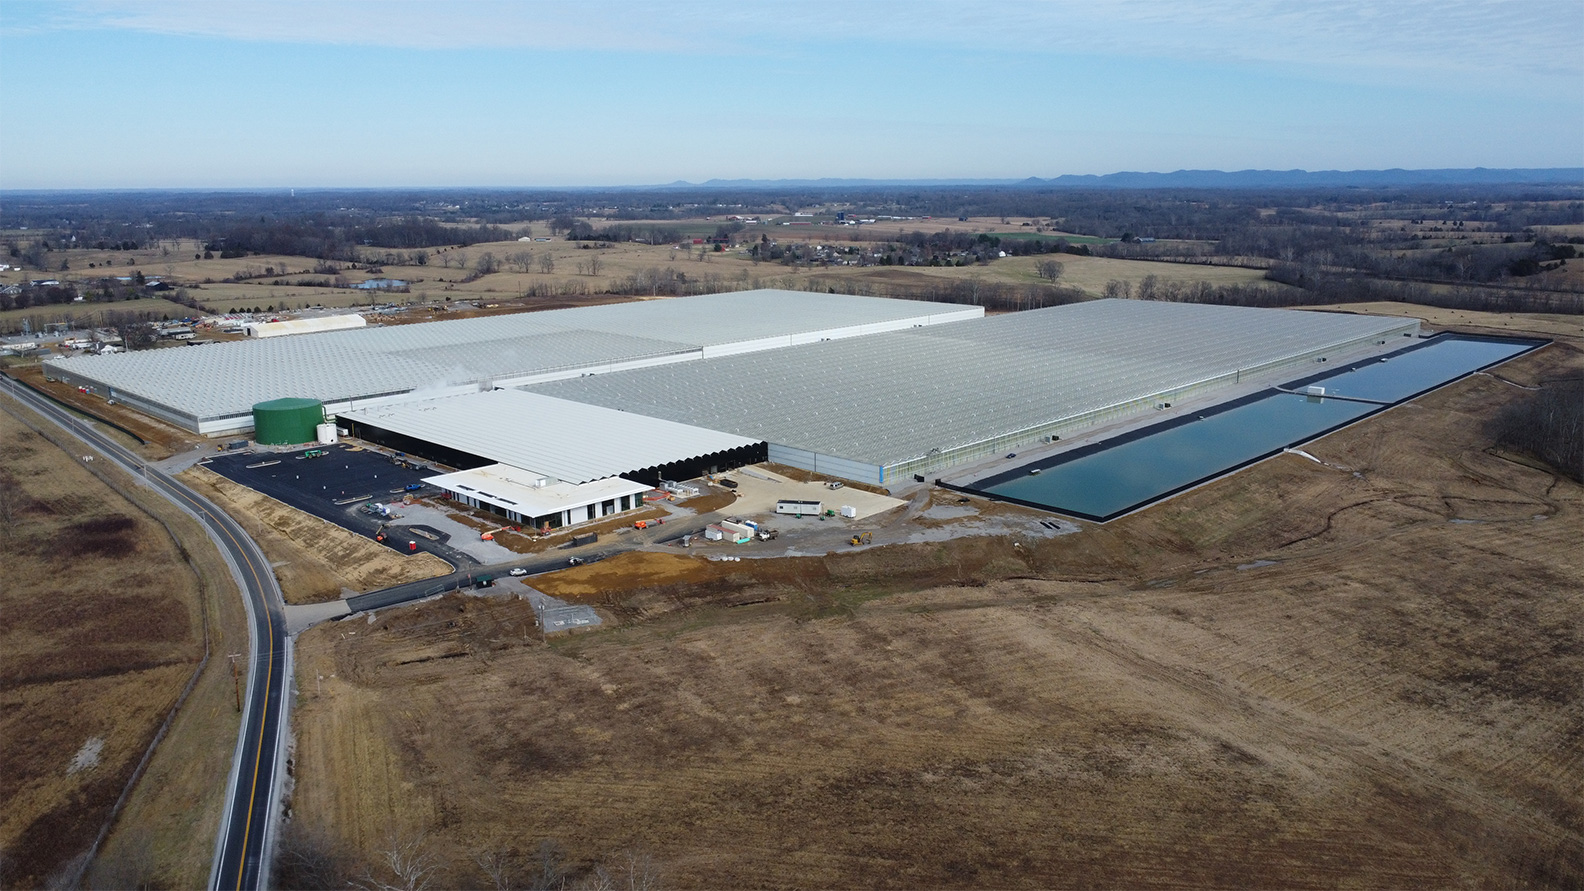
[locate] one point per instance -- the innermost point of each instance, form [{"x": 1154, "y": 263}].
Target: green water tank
[{"x": 287, "y": 421}]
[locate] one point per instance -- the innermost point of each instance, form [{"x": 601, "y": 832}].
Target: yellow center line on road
[
  {"x": 258, "y": 747},
  {"x": 253, "y": 569}
]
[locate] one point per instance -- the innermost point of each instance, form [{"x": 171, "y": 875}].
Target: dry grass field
[
  {"x": 91, "y": 315},
  {"x": 103, "y": 628},
  {"x": 1087, "y": 274},
  {"x": 1298, "y": 676},
  {"x": 446, "y": 277}
]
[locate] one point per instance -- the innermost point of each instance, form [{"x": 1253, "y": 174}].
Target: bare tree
[
  {"x": 546, "y": 263},
  {"x": 523, "y": 260},
  {"x": 405, "y": 864},
  {"x": 499, "y": 867},
  {"x": 486, "y": 264},
  {"x": 551, "y": 866},
  {"x": 1050, "y": 270},
  {"x": 594, "y": 263},
  {"x": 308, "y": 858},
  {"x": 632, "y": 870}
]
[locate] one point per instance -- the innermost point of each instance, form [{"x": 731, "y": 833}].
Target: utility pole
[{"x": 236, "y": 680}]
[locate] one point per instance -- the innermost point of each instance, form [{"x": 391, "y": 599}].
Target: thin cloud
[{"x": 1419, "y": 37}]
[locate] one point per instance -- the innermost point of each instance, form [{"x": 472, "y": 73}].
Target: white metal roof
[
  {"x": 517, "y": 490},
  {"x": 225, "y": 380},
  {"x": 557, "y": 438},
  {"x": 895, "y": 397},
  {"x": 305, "y": 326}
]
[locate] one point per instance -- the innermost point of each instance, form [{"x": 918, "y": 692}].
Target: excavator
[{"x": 861, "y": 538}]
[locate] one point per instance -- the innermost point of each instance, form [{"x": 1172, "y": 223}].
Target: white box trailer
[
  {"x": 737, "y": 533},
  {"x": 799, "y": 508}
]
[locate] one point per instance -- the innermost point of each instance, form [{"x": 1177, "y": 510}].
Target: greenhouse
[
  {"x": 557, "y": 439},
  {"x": 211, "y": 388},
  {"x": 908, "y": 402}
]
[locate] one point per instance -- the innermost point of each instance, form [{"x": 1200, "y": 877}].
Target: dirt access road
[{"x": 1370, "y": 673}]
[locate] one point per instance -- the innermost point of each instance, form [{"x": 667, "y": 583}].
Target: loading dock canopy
[
  {"x": 518, "y": 491},
  {"x": 556, "y": 438}
]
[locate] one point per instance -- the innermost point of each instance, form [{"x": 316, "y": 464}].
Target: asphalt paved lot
[{"x": 314, "y": 485}]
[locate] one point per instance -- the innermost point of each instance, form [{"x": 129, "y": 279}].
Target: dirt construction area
[{"x": 1363, "y": 674}]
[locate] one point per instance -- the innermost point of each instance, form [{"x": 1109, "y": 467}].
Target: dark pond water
[
  {"x": 1111, "y": 478},
  {"x": 1406, "y": 374}
]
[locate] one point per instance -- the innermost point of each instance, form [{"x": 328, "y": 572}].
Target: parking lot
[{"x": 335, "y": 486}]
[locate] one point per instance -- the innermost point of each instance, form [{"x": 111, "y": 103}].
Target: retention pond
[{"x": 1108, "y": 479}]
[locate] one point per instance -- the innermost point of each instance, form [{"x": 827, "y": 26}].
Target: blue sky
[{"x": 368, "y": 94}]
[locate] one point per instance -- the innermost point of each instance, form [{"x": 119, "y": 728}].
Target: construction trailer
[{"x": 737, "y": 533}]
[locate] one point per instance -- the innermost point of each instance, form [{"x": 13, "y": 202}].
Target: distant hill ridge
[{"x": 1199, "y": 179}]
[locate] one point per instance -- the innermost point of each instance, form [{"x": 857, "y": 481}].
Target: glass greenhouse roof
[
  {"x": 894, "y": 397},
  {"x": 225, "y": 379}
]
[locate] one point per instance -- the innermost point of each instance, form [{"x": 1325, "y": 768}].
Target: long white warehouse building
[
  {"x": 212, "y": 388},
  {"x": 907, "y": 402}
]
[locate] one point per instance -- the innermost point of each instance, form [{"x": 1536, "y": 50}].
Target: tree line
[{"x": 1548, "y": 426}]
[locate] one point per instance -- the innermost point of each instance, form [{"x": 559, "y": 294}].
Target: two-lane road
[{"x": 241, "y": 850}]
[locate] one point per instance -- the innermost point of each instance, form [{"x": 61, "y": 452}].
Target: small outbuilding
[{"x": 304, "y": 326}]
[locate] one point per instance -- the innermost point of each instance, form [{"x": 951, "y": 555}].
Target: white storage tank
[{"x": 327, "y": 434}]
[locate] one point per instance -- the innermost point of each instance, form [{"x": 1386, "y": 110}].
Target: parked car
[{"x": 517, "y": 570}]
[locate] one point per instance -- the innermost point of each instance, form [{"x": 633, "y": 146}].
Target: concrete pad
[
  {"x": 558, "y": 615},
  {"x": 759, "y": 489},
  {"x": 463, "y": 537},
  {"x": 300, "y": 617}
]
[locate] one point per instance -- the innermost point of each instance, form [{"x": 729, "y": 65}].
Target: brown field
[
  {"x": 1087, "y": 274},
  {"x": 439, "y": 282},
  {"x": 105, "y": 617},
  {"x": 1548, "y": 325},
  {"x": 1297, "y": 676},
  {"x": 91, "y": 315},
  {"x": 314, "y": 560}
]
